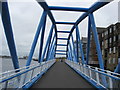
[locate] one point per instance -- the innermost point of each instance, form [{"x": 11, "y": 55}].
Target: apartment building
[{"x": 110, "y": 43}]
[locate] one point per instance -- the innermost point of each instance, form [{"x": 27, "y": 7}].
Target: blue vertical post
[
  {"x": 88, "y": 41},
  {"x": 55, "y": 45},
  {"x": 53, "y": 52},
  {"x": 36, "y": 38},
  {"x": 96, "y": 41},
  {"x": 71, "y": 56},
  {"x": 77, "y": 50},
  {"x": 69, "y": 53},
  {"x": 42, "y": 38},
  {"x": 117, "y": 69},
  {"x": 47, "y": 43},
  {"x": 50, "y": 48},
  {"x": 81, "y": 49},
  {"x": 9, "y": 34},
  {"x": 73, "y": 50},
  {"x": 94, "y": 30}
]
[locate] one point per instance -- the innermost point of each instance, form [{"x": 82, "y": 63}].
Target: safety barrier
[
  {"x": 21, "y": 77},
  {"x": 94, "y": 75}
]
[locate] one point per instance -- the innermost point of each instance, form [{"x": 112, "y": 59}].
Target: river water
[{"x": 6, "y": 64}]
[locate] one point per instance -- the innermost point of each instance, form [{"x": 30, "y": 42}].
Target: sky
[{"x": 25, "y": 17}]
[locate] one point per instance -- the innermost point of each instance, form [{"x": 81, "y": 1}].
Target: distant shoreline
[{"x": 24, "y": 57}]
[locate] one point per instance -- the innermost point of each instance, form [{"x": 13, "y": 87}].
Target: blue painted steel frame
[
  {"x": 9, "y": 34},
  {"x": 68, "y": 23},
  {"x": 36, "y": 39},
  {"x": 96, "y": 41},
  {"x": 42, "y": 38},
  {"x": 74, "y": 49},
  {"x": 94, "y": 30},
  {"x": 77, "y": 42},
  {"x": 52, "y": 48},
  {"x": 47, "y": 43},
  {"x": 68, "y": 8},
  {"x": 81, "y": 49},
  {"x": 88, "y": 41}
]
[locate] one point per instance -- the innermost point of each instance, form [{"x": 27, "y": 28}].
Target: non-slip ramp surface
[{"x": 61, "y": 76}]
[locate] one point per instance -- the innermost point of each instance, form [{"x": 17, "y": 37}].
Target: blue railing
[
  {"x": 94, "y": 75},
  {"x": 26, "y": 76}
]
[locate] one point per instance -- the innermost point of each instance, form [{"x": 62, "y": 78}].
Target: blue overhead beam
[
  {"x": 69, "y": 23},
  {"x": 9, "y": 34},
  {"x": 63, "y": 31},
  {"x": 62, "y": 38},
  {"x": 68, "y": 8},
  {"x": 61, "y": 45},
  {"x": 60, "y": 51}
]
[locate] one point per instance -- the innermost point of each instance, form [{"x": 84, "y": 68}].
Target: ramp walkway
[{"x": 61, "y": 76}]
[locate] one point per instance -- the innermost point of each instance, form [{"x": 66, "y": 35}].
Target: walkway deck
[{"x": 61, "y": 76}]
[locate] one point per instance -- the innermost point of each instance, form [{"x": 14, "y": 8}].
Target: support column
[
  {"x": 52, "y": 49},
  {"x": 88, "y": 40},
  {"x": 94, "y": 30},
  {"x": 9, "y": 34},
  {"x": 77, "y": 50},
  {"x": 73, "y": 49},
  {"x": 36, "y": 38},
  {"x": 81, "y": 49},
  {"x": 47, "y": 43},
  {"x": 42, "y": 38},
  {"x": 96, "y": 41}
]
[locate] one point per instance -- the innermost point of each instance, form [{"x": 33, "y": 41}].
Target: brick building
[{"x": 110, "y": 45}]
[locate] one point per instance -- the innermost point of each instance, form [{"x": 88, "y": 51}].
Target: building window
[
  {"x": 114, "y": 38},
  {"x": 113, "y": 60},
  {"x": 110, "y": 50},
  {"x": 119, "y": 36},
  {"x": 114, "y": 49},
  {"x": 102, "y": 43},
  {"x": 110, "y": 40},
  {"x": 102, "y": 34},
  {"x": 114, "y": 28},
  {"x": 106, "y": 33},
  {"x": 102, "y": 52},
  {"x": 109, "y": 61},
  {"x": 110, "y": 30}
]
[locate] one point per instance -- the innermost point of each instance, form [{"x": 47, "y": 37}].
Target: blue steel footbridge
[{"x": 50, "y": 73}]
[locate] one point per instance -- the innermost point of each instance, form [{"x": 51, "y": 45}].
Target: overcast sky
[{"x": 25, "y": 17}]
